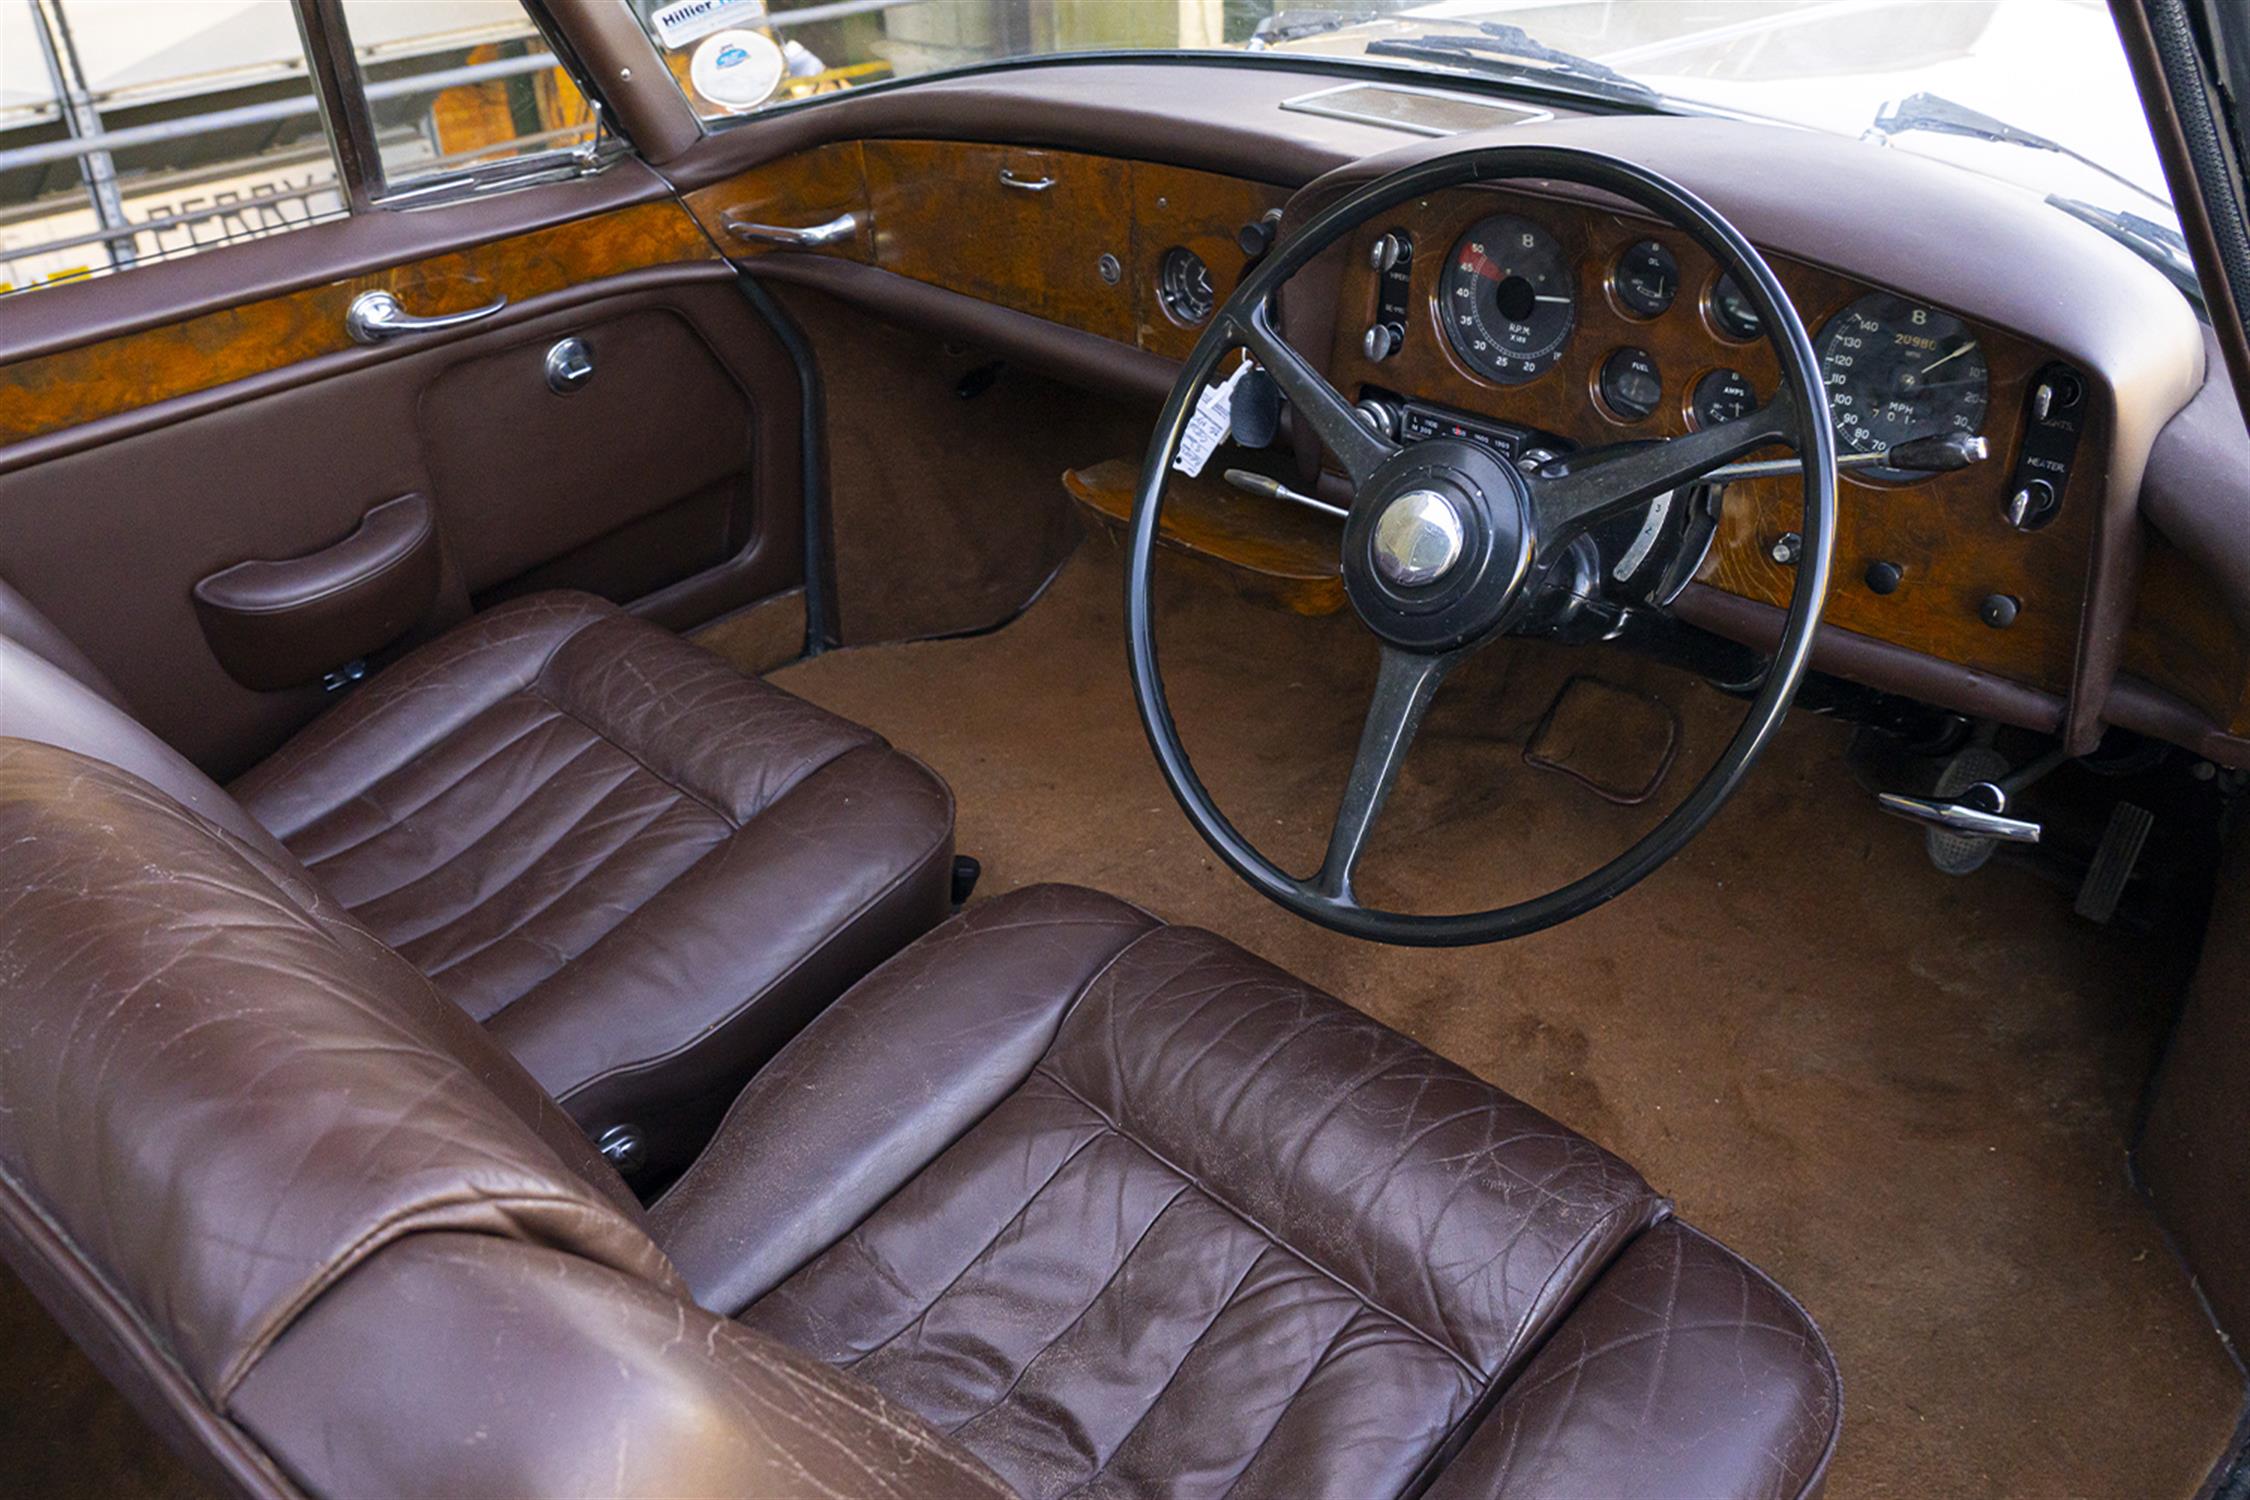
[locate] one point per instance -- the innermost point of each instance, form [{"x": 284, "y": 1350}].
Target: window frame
[{"x": 340, "y": 86}]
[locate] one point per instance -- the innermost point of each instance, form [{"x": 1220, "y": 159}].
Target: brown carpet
[{"x": 1907, "y": 1096}]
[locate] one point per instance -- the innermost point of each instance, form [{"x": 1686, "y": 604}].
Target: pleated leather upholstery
[
  {"x": 640, "y": 868},
  {"x": 1223, "y": 1235}
]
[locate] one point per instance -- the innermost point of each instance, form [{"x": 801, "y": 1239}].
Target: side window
[
  {"x": 461, "y": 86},
  {"x": 133, "y": 131}
]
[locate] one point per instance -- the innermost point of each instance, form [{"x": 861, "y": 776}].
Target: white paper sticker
[
  {"x": 1213, "y": 420},
  {"x": 684, "y": 21}
]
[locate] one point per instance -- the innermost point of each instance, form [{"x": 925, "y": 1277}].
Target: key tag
[{"x": 1212, "y": 421}]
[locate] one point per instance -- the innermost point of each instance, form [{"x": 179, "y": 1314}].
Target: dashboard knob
[
  {"x": 2031, "y": 506},
  {"x": 1380, "y": 415},
  {"x": 1387, "y": 251},
  {"x": 1382, "y": 341},
  {"x": 1884, "y": 577},
  {"x": 1257, "y": 236},
  {"x": 1999, "y": 610},
  {"x": 1786, "y": 549}
]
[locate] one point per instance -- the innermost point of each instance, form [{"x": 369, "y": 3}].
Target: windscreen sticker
[{"x": 685, "y": 21}]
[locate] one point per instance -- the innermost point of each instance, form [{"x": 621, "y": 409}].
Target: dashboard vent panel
[{"x": 1413, "y": 109}]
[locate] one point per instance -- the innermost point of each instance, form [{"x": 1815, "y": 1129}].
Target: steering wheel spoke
[
  {"x": 1341, "y": 430},
  {"x": 1404, "y": 685},
  {"x": 1583, "y": 489}
]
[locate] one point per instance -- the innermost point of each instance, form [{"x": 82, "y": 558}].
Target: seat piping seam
[
  {"x": 397, "y": 820},
  {"x": 1080, "y": 1316},
  {"x": 748, "y": 1002},
  {"x": 592, "y": 872},
  {"x": 923, "y": 1313},
  {"x": 1274, "y": 1239},
  {"x": 530, "y": 863},
  {"x": 1225, "y": 1303}
]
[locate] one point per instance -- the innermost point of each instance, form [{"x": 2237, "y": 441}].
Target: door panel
[
  {"x": 670, "y": 482},
  {"x": 660, "y": 424}
]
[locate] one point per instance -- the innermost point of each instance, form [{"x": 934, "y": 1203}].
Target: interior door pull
[
  {"x": 376, "y": 316},
  {"x": 819, "y": 237},
  {"x": 1008, "y": 178}
]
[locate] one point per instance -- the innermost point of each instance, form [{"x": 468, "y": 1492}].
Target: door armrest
[{"x": 276, "y": 625}]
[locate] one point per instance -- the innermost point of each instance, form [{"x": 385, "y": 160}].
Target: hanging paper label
[{"x": 1213, "y": 419}]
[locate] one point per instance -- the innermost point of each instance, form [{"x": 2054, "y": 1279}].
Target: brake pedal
[{"x": 2122, "y": 841}]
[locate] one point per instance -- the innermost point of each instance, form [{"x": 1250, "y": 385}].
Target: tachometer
[
  {"x": 1897, "y": 370},
  {"x": 1507, "y": 299}
]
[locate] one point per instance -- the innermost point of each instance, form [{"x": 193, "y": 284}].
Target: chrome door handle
[
  {"x": 819, "y": 237},
  {"x": 376, "y": 316},
  {"x": 1008, "y": 178}
]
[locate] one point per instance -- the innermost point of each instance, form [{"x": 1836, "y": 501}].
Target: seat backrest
[
  {"x": 42, "y": 699},
  {"x": 21, "y": 622},
  {"x": 325, "y": 1233}
]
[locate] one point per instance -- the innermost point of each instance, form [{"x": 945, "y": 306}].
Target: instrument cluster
[{"x": 1507, "y": 298}]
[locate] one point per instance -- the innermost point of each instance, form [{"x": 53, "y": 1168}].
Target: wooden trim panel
[
  {"x": 56, "y": 391},
  {"x": 964, "y": 216},
  {"x": 1946, "y": 533}
]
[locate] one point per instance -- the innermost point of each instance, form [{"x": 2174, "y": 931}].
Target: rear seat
[{"x": 640, "y": 870}]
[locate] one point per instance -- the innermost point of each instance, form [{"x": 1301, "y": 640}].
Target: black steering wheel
[{"x": 1447, "y": 545}]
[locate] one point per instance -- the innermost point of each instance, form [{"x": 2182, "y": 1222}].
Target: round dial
[
  {"x": 1646, "y": 280},
  {"x": 1722, "y": 396},
  {"x": 1897, "y": 370},
  {"x": 1183, "y": 287},
  {"x": 1630, "y": 385},
  {"x": 1506, "y": 299},
  {"x": 1732, "y": 313}
]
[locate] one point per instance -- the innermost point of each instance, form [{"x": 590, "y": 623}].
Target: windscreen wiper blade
[
  {"x": 1495, "y": 46},
  {"x": 1298, "y": 25},
  {"x": 2159, "y": 244},
  {"x": 1942, "y": 116}
]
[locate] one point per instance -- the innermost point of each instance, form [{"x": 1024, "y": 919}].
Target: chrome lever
[
  {"x": 1273, "y": 489},
  {"x": 836, "y": 231},
  {"x": 1956, "y": 452},
  {"x": 376, "y": 316},
  {"x": 1964, "y": 814},
  {"x": 1008, "y": 178}
]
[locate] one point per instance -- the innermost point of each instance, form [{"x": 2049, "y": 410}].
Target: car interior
[{"x": 1348, "y": 756}]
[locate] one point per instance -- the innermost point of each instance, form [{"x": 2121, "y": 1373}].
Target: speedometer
[
  {"x": 1897, "y": 370},
  {"x": 1506, "y": 299}
]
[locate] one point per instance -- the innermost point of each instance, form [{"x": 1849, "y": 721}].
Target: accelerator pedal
[{"x": 2122, "y": 841}]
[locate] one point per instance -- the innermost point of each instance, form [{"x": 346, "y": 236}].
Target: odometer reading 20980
[
  {"x": 1507, "y": 300},
  {"x": 1897, "y": 370}
]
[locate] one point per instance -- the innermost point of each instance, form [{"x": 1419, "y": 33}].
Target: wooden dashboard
[
  {"x": 1080, "y": 240},
  {"x": 1947, "y": 535}
]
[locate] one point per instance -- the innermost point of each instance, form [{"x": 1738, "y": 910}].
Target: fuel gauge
[{"x": 1630, "y": 384}]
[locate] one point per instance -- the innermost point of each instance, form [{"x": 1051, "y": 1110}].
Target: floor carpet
[{"x": 1905, "y": 1095}]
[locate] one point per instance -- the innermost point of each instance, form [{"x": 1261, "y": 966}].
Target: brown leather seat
[
  {"x": 639, "y": 868},
  {"x": 1061, "y": 1200}
]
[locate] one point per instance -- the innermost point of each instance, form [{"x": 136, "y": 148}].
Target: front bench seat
[
  {"x": 640, "y": 869},
  {"x": 1060, "y": 1201}
]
